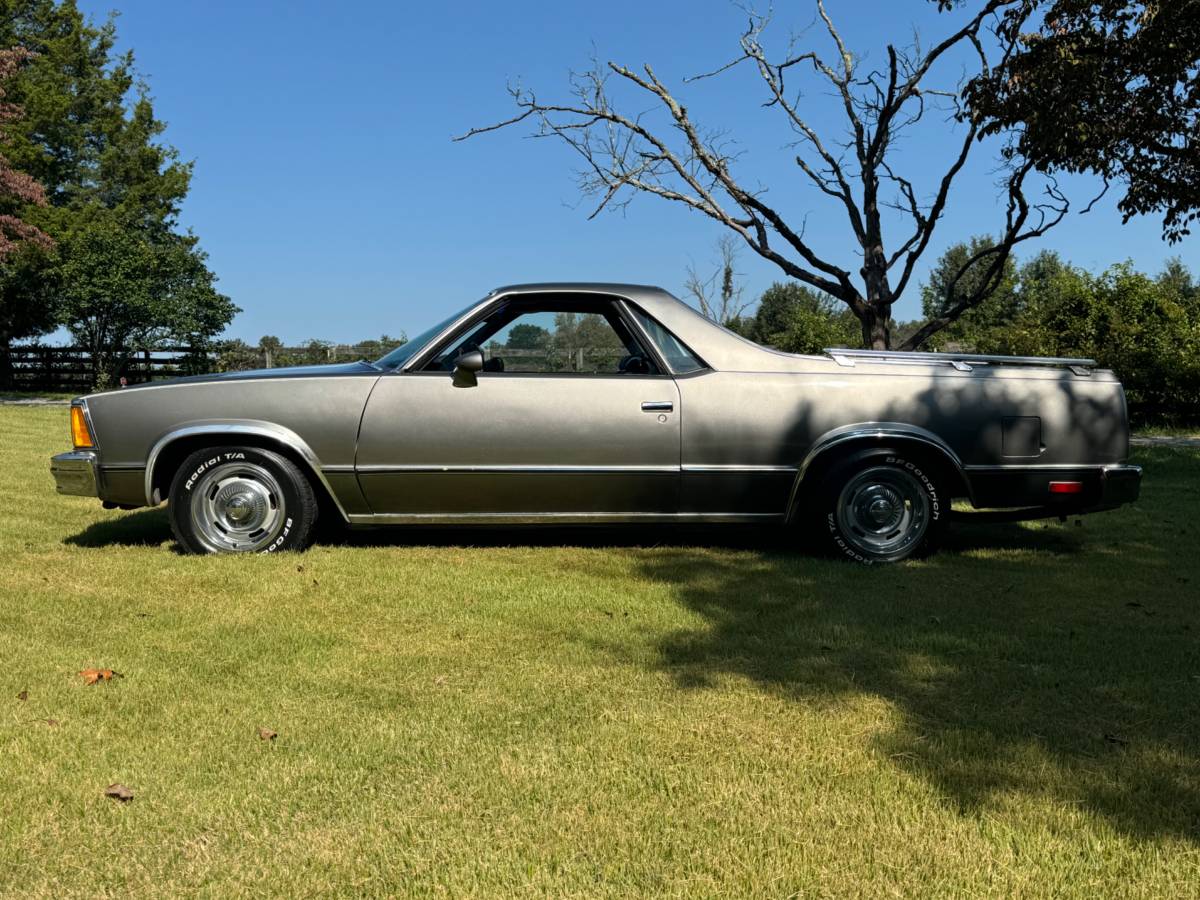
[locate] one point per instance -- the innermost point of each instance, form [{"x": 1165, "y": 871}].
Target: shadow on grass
[
  {"x": 144, "y": 528},
  {"x": 149, "y": 527},
  {"x": 1043, "y": 660},
  {"x": 1057, "y": 661}
]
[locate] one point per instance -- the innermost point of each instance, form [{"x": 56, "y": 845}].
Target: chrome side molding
[
  {"x": 961, "y": 361},
  {"x": 559, "y": 518}
]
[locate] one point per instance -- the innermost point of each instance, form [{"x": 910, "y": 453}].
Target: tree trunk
[
  {"x": 875, "y": 332},
  {"x": 6, "y": 367}
]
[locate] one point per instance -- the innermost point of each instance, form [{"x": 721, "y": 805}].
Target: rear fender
[{"x": 841, "y": 442}]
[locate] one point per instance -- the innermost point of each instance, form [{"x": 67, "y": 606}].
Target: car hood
[{"x": 355, "y": 368}]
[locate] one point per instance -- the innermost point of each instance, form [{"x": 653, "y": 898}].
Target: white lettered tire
[
  {"x": 883, "y": 506},
  {"x": 241, "y": 500}
]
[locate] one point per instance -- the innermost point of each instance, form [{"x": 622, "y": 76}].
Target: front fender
[{"x": 228, "y": 430}]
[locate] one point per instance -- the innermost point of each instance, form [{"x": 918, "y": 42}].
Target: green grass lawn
[
  {"x": 574, "y": 713},
  {"x": 27, "y": 396}
]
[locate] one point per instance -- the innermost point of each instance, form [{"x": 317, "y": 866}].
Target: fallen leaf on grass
[
  {"x": 118, "y": 791},
  {"x": 91, "y": 676},
  {"x": 266, "y": 734},
  {"x": 23, "y": 696}
]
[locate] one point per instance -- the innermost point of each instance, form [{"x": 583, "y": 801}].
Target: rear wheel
[
  {"x": 241, "y": 500},
  {"x": 883, "y": 507}
]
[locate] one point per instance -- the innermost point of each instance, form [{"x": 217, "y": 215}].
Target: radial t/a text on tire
[
  {"x": 241, "y": 500},
  {"x": 883, "y": 506}
]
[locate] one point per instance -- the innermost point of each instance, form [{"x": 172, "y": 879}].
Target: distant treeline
[{"x": 270, "y": 352}]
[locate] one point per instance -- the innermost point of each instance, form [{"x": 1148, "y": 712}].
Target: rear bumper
[
  {"x": 75, "y": 473},
  {"x": 1119, "y": 485},
  {"x": 1008, "y": 487}
]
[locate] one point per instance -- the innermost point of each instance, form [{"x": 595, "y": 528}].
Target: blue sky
[{"x": 334, "y": 205}]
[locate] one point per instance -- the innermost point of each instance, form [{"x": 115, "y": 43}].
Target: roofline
[{"x": 593, "y": 287}]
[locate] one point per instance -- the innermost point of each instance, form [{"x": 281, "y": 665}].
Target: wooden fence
[
  {"x": 69, "y": 369},
  {"x": 66, "y": 369}
]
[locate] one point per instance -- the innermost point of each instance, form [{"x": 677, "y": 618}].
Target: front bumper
[{"x": 75, "y": 473}]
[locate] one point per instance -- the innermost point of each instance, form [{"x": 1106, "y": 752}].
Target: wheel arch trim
[
  {"x": 874, "y": 432},
  {"x": 280, "y": 435}
]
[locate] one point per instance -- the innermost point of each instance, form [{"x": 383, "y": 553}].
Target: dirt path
[
  {"x": 1166, "y": 440},
  {"x": 31, "y": 401}
]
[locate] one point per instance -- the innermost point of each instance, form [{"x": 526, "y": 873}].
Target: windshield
[{"x": 405, "y": 351}]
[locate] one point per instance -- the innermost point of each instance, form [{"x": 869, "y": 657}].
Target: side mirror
[{"x": 465, "y": 368}]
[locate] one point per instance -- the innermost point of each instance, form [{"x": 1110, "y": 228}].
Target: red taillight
[{"x": 1066, "y": 487}]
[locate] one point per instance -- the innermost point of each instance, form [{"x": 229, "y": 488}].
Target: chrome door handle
[{"x": 658, "y": 406}]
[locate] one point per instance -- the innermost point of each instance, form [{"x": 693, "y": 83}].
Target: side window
[
  {"x": 678, "y": 356},
  {"x": 544, "y": 337}
]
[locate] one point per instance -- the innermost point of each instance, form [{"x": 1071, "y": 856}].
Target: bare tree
[
  {"x": 719, "y": 295},
  {"x": 624, "y": 154}
]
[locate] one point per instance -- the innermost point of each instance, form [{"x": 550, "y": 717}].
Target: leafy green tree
[
  {"x": 1110, "y": 87},
  {"x": 375, "y": 348},
  {"x": 1144, "y": 328},
  {"x": 235, "y": 355},
  {"x": 26, "y": 302},
  {"x": 797, "y": 319},
  {"x": 777, "y": 307},
  {"x": 525, "y": 336},
  {"x": 122, "y": 293},
  {"x": 88, "y": 133},
  {"x": 16, "y": 188},
  {"x": 1177, "y": 279},
  {"x": 28, "y": 298},
  {"x": 582, "y": 337},
  {"x": 982, "y": 328}
]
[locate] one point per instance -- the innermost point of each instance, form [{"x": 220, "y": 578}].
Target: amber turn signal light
[{"x": 81, "y": 435}]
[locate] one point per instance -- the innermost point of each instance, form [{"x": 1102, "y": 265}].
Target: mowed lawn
[{"x": 575, "y": 713}]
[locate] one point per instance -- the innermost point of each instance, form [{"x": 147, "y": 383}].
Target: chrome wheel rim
[
  {"x": 237, "y": 508},
  {"x": 883, "y": 511}
]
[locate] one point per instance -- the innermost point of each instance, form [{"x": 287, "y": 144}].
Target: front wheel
[
  {"x": 883, "y": 507},
  {"x": 241, "y": 500}
]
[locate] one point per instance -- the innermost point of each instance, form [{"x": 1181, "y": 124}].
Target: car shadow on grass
[
  {"x": 1044, "y": 660},
  {"x": 787, "y": 542},
  {"x": 1048, "y": 661},
  {"x": 143, "y": 528},
  {"x": 150, "y": 527}
]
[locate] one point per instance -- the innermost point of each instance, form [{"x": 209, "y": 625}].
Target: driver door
[{"x": 571, "y": 417}]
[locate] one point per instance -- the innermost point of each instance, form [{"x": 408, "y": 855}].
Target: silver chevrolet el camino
[{"x": 606, "y": 403}]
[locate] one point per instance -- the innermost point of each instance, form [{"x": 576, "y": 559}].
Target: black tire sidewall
[
  {"x": 299, "y": 504},
  {"x": 925, "y": 472}
]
